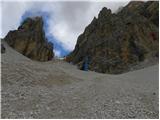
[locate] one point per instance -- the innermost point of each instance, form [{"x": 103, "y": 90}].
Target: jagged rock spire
[
  {"x": 115, "y": 42},
  {"x": 30, "y": 40}
]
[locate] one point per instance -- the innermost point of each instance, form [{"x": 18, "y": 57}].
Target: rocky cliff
[
  {"x": 30, "y": 40},
  {"x": 114, "y": 43}
]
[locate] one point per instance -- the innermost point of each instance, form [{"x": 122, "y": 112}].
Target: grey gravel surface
[{"x": 57, "y": 89}]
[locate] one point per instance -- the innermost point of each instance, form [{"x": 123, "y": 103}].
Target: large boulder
[
  {"x": 30, "y": 40},
  {"x": 115, "y": 42}
]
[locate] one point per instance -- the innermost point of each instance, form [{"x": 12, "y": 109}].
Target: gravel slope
[{"x": 57, "y": 89}]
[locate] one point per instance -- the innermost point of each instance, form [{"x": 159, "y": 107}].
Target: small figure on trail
[{"x": 85, "y": 64}]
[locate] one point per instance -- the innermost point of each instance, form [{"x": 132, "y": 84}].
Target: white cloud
[
  {"x": 67, "y": 19},
  {"x": 62, "y": 32},
  {"x": 71, "y": 18},
  {"x": 11, "y": 15},
  {"x": 57, "y": 53}
]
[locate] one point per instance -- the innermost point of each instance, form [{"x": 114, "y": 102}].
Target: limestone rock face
[
  {"x": 3, "y": 49},
  {"x": 115, "y": 42},
  {"x": 30, "y": 40}
]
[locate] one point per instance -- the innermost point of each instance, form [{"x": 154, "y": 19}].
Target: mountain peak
[
  {"x": 32, "y": 23},
  {"x": 114, "y": 43},
  {"x": 30, "y": 40},
  {"x": 104, "y": 12}
]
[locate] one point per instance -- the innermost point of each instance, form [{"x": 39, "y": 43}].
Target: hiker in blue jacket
[{"x": 85, "y": 64}]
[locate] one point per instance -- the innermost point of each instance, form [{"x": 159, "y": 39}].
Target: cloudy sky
[{"x": 64, "y": 20}]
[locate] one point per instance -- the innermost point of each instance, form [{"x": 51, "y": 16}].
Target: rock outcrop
[
  {"x": 116, "y": 42},
  {"x": 3, "y": 49},
  {"x": 30, "y": 40}
]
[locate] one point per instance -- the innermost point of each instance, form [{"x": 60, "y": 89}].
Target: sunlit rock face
[
  {"x": 30, "y": 40},
  {"x": 114, "y": 43}
]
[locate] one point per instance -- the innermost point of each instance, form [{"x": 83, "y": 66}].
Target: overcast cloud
[{"x": 66, "y": 22}]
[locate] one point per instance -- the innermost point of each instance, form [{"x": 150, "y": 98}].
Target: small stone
[
  {"x": 47, "y": 108},
  {"x": 117, "y": 102}
]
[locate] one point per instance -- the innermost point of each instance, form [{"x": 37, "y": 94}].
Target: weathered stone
[
  {"x": 3, "y": 49},
  {"x": 30, "y": 40},
  {"x": 114, "y": 42}
]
